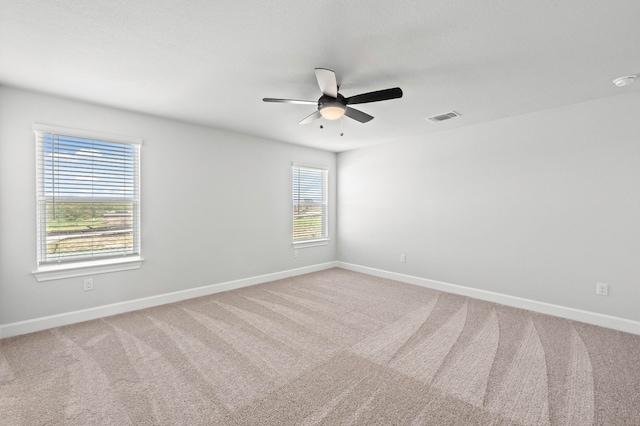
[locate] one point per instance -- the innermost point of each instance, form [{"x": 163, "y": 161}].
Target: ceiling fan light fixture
[{"x": 332, "y": 110}]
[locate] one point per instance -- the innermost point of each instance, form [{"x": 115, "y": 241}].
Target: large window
[
  {"x": 309, "y": 204},
  {"x": 88, "y": 196}
]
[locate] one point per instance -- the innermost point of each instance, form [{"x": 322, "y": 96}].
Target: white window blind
[
  {"x": 88, "y": 195},
  {"x": 309, "y": 204}
]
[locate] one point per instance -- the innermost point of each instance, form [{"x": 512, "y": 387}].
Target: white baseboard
[
  {"x": 588, "y": 317},
  {"x": 44, "y": 323}
]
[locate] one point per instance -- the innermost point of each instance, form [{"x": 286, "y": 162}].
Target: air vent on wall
[{"x": 442, "y": 117}]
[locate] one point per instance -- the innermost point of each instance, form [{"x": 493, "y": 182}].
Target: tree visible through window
[
  {"x": 309, "y": 204},
  {"x": 88, "y": 197}
]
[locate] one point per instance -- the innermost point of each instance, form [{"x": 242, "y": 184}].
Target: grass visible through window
[{"x": 76, "y": 228}]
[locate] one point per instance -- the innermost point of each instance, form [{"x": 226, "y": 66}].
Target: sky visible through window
[
  {"x": 75, "y": 167},
  {"x": 307, "y": 185}
]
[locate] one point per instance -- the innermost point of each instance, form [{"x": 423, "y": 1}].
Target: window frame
[
  {"x": 324, "y": 239},
  {"x": 89, "y": 265}
]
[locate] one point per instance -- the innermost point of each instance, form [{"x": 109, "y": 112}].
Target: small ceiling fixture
[
  {"x": 625, "y": 81},
  {"x": 442, "y": 117}
]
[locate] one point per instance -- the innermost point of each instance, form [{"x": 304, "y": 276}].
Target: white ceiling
[{"x": 212, "y": 62}]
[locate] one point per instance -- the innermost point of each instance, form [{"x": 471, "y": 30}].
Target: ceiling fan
[{"x": 332, "y": 105}]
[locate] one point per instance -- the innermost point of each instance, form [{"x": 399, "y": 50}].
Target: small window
[
  {"x": 88, "y": 196},
  {"x": 309, "y": 204}
]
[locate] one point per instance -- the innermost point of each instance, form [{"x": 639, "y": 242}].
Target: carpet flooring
[{"x": 329, "y": 348}]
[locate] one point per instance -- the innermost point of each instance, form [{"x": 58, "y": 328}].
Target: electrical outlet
[
  {"x": 88, "y": 284},
  {"x": 295, "y": 253},
  {"x": 403, "y": 258},
  {"x": 602, "y": 289}
]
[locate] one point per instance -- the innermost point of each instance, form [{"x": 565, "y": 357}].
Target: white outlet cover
[
  {"x": 602, "y": 289},
  {"x": 88, "y": 284}
]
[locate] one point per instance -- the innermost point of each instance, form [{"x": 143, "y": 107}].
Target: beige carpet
[{"x": 333, "y": 348}]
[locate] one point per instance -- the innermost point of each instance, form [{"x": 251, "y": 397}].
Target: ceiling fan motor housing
[{"x": 332, "y": 108}]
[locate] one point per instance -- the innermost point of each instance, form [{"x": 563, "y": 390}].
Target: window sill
[
  {"x": 70, "y": 270},
  {"x": 310, "y": 243}
]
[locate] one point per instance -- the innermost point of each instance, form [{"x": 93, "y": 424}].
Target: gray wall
[
  {"x": 540, "y": 206},
  {"x": 216, "y": 206}
]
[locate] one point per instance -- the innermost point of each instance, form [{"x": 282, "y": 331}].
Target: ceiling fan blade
[
  {"x": 327, "y": 82},
  {"x": 290, "y": 101},
  {"x": 379, "y": 95},
  {"x": 308, "y": 119},
  {"x": 358, "y": 115}
]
